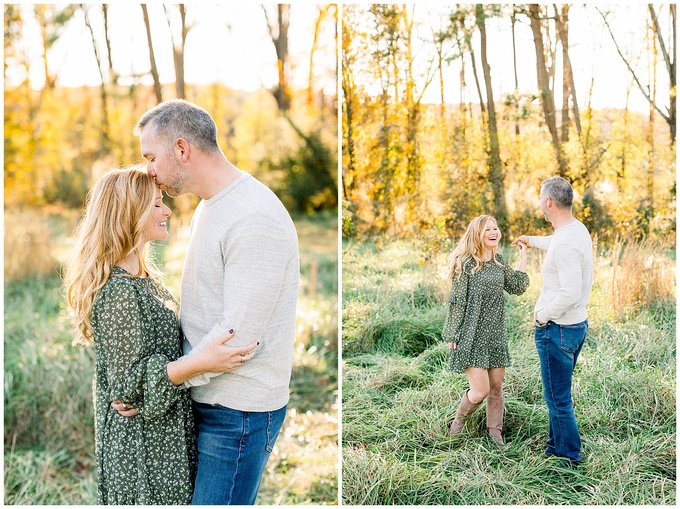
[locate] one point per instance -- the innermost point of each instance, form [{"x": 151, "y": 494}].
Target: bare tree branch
[
  {"x": 665, "y": 116},
  {"x": 664, "y": 52}
]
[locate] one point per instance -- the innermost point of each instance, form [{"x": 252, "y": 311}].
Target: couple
[
  {"x": 156, "y": 443},
  {"x": 476, "y": 328}
]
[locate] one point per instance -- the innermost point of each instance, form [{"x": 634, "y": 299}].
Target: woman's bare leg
[
  {"x": 496, "y": 377},
  {"x": 478, "y": 379}
]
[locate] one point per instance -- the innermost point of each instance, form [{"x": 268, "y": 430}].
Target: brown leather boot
[
  {"x": 494, "y": 418},
  {"x": 465, "y": 410}
]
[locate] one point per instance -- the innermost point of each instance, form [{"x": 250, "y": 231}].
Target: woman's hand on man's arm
[{"x": 216, "y": 357}]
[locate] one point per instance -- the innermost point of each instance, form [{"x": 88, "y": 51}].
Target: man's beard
[{"x": 175, "y": 179}]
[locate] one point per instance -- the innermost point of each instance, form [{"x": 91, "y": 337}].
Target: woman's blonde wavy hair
[
  {"x": 471, "y": 247},
  {"x": 118, "y": 208}
]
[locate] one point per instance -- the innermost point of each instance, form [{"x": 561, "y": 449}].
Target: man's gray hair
[
  {"x": 559, "y": 190},
  {"x": 178, "y": 118}
]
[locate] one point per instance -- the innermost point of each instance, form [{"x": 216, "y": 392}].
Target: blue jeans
[
  {"x": 233, "y": 449},
  {"x": 558, "y": 348}
]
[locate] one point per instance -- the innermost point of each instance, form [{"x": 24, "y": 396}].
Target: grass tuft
[{"x": 398, "y": 399}]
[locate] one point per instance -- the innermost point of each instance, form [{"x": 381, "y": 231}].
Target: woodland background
[
  {"x": 430, "y": 140},
  {"x": 425, "y": 168},
  {"x": 60, "y": 137}
]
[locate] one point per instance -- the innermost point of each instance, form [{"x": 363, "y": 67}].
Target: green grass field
[
  {"x": 398, "y": 395},
  {"x": 49, "y": 430}
]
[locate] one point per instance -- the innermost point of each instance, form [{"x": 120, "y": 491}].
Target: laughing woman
[
  {"x": 476, "y": 328},
  {"x": 120, "y": 305}
]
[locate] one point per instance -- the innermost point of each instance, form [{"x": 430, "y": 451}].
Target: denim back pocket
[{"x": 572, "y": 336}]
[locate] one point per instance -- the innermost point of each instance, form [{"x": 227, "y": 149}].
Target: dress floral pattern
[
  {"x": 476, "y": 319},
  {"x": 149, "y": 458}
]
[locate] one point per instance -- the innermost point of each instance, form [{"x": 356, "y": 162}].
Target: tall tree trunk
[
  {"x": 461, "y": 102},
  {"x": 51, "y": 21},
  {"x": 496, "y": 177},
  {"x": 621, "y": 172},
  {"x": 412, "y": 115},
  {"x": 279, "y": 36},
  {"x": 385, "y": 193},
  {"x": 669, "y": 58},
  {"x": 546, "y": 93},
  {"x": 416, "y": 202},
  {"x": 651, "y": 157},
  {"x": 113, "y": 75},
  {"x": 562, "y": 22},
  {"x": 178, "y": 49},
  {"x": 348, "y": 90},
  {"x": 672, "y": 71},
  {"x": 336, "y": 55},
  {"x": 349, "y": 171},
  {"x": 178, "y": 53},
  {"x": 104, "y": 122},
  {"x": 439, "y": 38},
  {"x": 317, "y": 27},
  {"x": 477, "y": 85},
  {"x": 513, "y": 21},
  {"x": 564, "y": 125},
  {"x": 152, "y": 57},
  {"x": 41, "y": 17}
]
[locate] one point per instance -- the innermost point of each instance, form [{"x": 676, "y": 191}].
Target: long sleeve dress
[
  {"x": 476, "y": 319},
  {"x": 149, "y": 458}
]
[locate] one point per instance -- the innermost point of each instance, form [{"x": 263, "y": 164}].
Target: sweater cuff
[{"x": 542, "y": 316}]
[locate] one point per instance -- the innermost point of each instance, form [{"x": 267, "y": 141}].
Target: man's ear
[{"x": 182, "y": 148}]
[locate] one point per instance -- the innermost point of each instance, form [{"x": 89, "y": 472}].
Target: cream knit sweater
[
  {"x": 567, "y": 274},
  {"x": 242, "y": 271}
]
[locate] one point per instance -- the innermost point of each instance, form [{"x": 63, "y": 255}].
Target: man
[
  {"x": 560, "y": 312},
  {"x": 241, "y": 272}
]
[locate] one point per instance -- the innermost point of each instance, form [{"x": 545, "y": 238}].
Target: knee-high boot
[
  {"x": 494, "y": 418},
  {"x": 465, "y": 410}
]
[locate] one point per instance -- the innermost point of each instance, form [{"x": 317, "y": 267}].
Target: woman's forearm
[
  {"x": 522, "y": 264},
  {"x": 184, "y": 368}
]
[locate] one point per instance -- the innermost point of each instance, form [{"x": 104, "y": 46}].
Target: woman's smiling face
[
  {"x": 157, "y": 227},
  {"x": 491, "y": 234}
]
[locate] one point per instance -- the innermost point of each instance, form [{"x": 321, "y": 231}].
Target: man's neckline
[
  {"x": 573, "y": 220},
  {"x": 227, "y": 189}
]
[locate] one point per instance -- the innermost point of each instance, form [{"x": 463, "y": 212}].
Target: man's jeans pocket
[
  {"x": 572, "y": 336},
  {"x": 541, "y": 333}
]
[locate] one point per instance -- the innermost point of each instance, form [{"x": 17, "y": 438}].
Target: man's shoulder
[
  {"x": 573, "y": 240},
  {"x": 575, "y": 231},
  {"x": 580, "y": 233},
  {"x": 251, "y": 197}
]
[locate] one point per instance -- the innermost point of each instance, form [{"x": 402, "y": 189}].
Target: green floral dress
[
  {"x": 476, "y": 320},
  {"x": 149, "y": 458}
]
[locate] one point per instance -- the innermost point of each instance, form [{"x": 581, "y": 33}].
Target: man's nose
[{"x": 150, "y": 170}]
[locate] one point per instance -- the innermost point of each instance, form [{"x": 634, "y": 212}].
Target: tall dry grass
[
  {"x": 639, "y": 274},
  {"x": 28, "y": 248}
]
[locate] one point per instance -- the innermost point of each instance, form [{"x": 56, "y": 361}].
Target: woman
[
  {"x": 475, "y": 327},
  {"x": 121, "y": 306}
]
